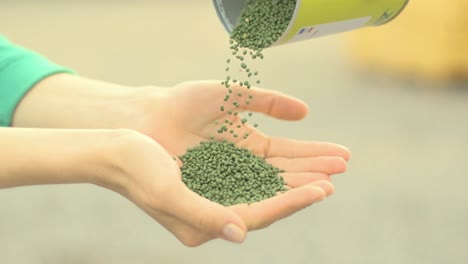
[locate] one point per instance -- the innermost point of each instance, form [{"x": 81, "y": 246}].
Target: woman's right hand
[{"x": 151, "y": 178}]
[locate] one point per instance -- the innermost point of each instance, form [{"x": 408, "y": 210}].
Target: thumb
[
  {"x": 207, "y": 216},
  {"x": 276, "y": 104}
]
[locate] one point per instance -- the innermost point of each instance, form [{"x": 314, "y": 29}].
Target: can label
[{"x": 317, "y": 18}]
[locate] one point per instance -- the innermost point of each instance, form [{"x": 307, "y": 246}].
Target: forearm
[
  {"x": 45, "y": 156},
  {"x": 68, "y": 101}
]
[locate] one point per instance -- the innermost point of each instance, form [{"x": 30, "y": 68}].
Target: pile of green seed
[
  {"x": 228, "y": 175},
  {"x": 261, "y": 24}
]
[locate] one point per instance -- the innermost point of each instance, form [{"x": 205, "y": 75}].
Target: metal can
[{"x": 317, "y": 18}]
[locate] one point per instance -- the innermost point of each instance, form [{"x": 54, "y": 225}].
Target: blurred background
[{"x": 395, "y": 95}]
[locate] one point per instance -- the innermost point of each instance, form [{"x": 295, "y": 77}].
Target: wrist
[
  {"x": 52, "y": 156},
  {"x": 116, "y": 157}
]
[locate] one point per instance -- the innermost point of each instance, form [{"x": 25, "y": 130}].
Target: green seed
[
  {"x": 227, "y": 69},
  {"x": 250, "y": 114},
  {"x": 255, "y": 125},
  {"x": 222, "y": 108},
  {"x": 239, "y": 94},
  {"x": 228, "y": 175},
  {"x": 244, "y": 120}
]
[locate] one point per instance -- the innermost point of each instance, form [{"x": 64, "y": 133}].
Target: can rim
[{"x": 219, "y": 7}]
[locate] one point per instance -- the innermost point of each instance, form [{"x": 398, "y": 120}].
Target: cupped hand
[{"x": 149, "y": 177}]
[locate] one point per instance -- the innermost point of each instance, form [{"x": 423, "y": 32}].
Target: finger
[
  {"x": 326, "y": 165},
  {"x": 185, "y": 233},
  {"x": 269, "y": 102},
  {"x": 288, "y": 148},
  {"x": 203, "y": 214},
  {"x": 276, "y": 104},
  {"x": 295, "y": 180},
  {"x": 262, "y": 214}
]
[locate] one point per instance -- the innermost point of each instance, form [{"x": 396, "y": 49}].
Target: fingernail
[
  {"x": 233, "y": 233},
  {"x": 326, "y": 186}
]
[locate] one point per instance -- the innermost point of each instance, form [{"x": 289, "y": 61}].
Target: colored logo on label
[
  {"x": 385, "y": 17},
  {"x": 306, "y": 30}
]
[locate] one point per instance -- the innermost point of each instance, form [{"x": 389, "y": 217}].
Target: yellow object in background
[{"x": 428, "y": 41}]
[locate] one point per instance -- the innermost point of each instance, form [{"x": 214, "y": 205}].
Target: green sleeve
[{"x": 20, "y": 70}]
